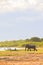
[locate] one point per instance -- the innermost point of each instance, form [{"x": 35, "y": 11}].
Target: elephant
[{"x": 30, "y": 46}]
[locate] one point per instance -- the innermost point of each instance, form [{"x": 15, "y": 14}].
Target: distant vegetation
[{"x": 20, "y": 43}]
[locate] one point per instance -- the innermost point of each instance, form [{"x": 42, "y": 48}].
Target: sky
[{"x": 21, "y": 19}]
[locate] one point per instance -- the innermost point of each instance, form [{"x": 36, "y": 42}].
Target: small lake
[{"x": 10, "y": 48}]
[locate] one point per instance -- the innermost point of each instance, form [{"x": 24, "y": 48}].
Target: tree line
[{"x": 35, "y": 39}]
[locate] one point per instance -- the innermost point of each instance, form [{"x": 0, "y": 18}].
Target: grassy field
[
  {"x": 19, "y": 52},
  {"x": 22, "y": 57},
  {"x": 19, "y": 43}
]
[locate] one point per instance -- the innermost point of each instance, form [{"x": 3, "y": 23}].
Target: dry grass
[
  {"x": 19, "y": 53},
  {"x": 22, "y": 57},
  {"x": 28, "y": 59}
]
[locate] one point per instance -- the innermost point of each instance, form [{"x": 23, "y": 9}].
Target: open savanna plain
[{"x": 22, "y": 57}]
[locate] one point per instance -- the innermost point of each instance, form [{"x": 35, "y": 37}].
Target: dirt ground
[{"x": 28, "y": 59}]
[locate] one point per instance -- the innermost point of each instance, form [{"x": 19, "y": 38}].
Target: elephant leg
[
  {"x": 30, "y": 49},
  {"x": 27, "y": 49},
  {"x": 35, "y": 49}
]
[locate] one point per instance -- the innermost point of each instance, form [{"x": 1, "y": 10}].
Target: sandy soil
[{"x": 28, "y": 59}]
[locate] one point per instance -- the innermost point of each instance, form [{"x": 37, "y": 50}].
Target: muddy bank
[{"x": 26, "y": 57}]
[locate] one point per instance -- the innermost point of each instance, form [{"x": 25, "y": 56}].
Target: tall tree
[{"x": 35, "y": 39}]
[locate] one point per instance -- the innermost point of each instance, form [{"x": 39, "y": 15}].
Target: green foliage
[
  {"x": 21, "y": 43},
  {"x": 41, "y": 39},
  {"x": 35, "y": 39}
]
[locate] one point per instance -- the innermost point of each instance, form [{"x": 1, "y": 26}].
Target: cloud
[{"x": 13, "y": 5}]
